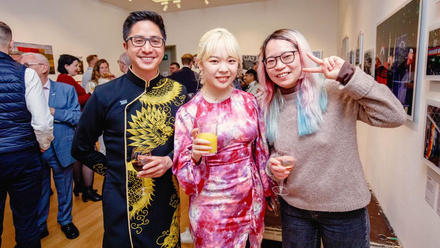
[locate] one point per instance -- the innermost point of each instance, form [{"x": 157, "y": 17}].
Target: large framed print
[
  {"x": 433, "y": 55},
  {"x": 396, "y": 53},
  {"x": 46, "y": 50},
  {"x": 431, "y": 151}
]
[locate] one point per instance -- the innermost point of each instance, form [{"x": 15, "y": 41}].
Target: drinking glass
[
  {"x": 208, "y": 131},
  {"x": 140, "y": 155},
  {"x": 280, "y": 189}
]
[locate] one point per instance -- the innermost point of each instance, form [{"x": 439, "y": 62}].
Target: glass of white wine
[
  {"x": 140, "y": 155},
  {"x": 280, "y": 189}
]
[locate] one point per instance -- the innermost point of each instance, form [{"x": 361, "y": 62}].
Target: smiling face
[
  {"x": 72, "y": 69},
  {"x": 284, "y": 75},
  {"x": 146, "y": 59},
  {"x": 103, "y": 69},
  {"x": 219, "y": 70}
]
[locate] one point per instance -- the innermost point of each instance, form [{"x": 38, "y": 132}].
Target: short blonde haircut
[{"x": 211, "y": 40}]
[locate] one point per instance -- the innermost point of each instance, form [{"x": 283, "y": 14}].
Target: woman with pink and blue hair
[{"x": 313, "y": 119}]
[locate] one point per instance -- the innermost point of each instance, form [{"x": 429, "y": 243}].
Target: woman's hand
[
  {"x": 330, "y": 67},
  {"x": 277, "y": 169},
  {"x": 200, "y": 146}
]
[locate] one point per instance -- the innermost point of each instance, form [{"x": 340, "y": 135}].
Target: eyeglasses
[
  {"x": 120, "y": 62},
  {"x": 140, "y": 41},
  {"x": 286, "y": 58},
  {"x": 29, "y": 64}
]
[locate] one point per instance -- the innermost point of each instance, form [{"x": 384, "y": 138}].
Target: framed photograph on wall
[
  {"x": 433, "y": 59},
  {"x": 248, "y": 61},
  {"x": 351, "y": 57},
  {"x": 368, "y": 65},
  {"x": 359, "y": 51},
  {"x": 46, "y": 50},
  {"x": 317, "y": 54},
  {"x": 431, "y": 146},
  {"x": 397, "y": 46}
]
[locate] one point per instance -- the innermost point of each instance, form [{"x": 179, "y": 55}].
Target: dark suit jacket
[
  {"x": 63, "y": 98},
  {"x": 187, "y": 77}
]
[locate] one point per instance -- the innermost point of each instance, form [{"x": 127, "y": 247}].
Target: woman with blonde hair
[
  {"x": 314, "y": 120},
  {"x": 227, "y": 190}
]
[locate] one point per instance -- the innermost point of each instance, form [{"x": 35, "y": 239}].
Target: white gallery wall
[
  {"x": 392, "y": 158},
  {"x": 78, "y": 27},
  {"x": 83, "y": 27}
]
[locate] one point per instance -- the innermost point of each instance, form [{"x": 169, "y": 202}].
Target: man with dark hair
[
  {"x": 250, "y": 78},
  {"x": 174, "y": 66},
  {"x": 186, "y": 75},
  {"x": 25, "y": 130},
  {"x": 140, "y": 208},
  {"x": 87, "y": 76}
]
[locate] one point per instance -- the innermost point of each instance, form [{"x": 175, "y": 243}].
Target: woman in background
[
  {"x": 314, "y": 120},
  {"x": 227, "y": 190},
  {"x": 100, "y": 75},
  {"x": 82, "y": 175}
]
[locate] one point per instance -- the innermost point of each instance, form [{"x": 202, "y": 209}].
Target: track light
[
  {"x": 165, "y": 8},
  {"x": 206, "y": 2}
]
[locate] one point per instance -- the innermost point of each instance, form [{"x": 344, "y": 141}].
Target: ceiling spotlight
[
  {"x": 206, "y": 2},
  {"x": 177, "y": 2}
]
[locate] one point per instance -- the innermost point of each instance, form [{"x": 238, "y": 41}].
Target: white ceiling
[{"x": 135, "y": 5}]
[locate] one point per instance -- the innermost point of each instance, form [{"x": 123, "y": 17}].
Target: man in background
[
  {"x": 186, "y": 75},
  {"x": 174, "y": 66},
  {"x": 250, "y": 78},
  {"x": 25, "y": 130},
  {"x": 87, "y": 76},
  {"x": 65, "y": 109},
  {"x": 124, "y": 62}
]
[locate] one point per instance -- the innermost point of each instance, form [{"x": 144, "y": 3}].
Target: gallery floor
[{"x": 87, "y": 216}]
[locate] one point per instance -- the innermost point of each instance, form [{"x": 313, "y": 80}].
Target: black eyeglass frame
[
  {"x": 145, "y": 41},
  {"x": 281, "y": 59}
]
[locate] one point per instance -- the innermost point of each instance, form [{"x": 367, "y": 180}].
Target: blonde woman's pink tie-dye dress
[{"x": 227, "y": 191}]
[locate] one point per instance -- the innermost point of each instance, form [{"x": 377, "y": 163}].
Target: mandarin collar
[{"x": 146, "y": 84}]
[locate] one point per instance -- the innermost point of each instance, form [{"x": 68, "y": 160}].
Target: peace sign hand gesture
[{"x": 330, "y": 67}]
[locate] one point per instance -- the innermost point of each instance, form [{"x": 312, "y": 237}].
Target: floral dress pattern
[{"x": 227, "y": 190}]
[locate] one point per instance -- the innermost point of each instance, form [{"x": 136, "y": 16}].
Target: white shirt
[
  {"x": 253, "y": 87},
  {"x": 87, "y": 76},
  {"x": 42, "y": 120},
  {"x": 46, "y": 91}
]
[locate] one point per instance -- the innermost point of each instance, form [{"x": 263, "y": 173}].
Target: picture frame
[
  {"x": 359, "y": 51},
  {"x": 431, "y": 146},
  {"x": 248, "y": 61},
  {"x": 433, "y": 53},
  {"x": 397, "y": 46},
  {"x": 46, "y": 50},
  {"x": 317, "y": 54},
  {"x": 351, "y": 57},
  {"x": 368, "y": 62}
]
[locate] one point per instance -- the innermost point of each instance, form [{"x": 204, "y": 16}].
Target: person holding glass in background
[
  {"x": 101, "y": 74},
  {"x": 314, "y": 121},
  {"x": 227, "y": 189}
]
